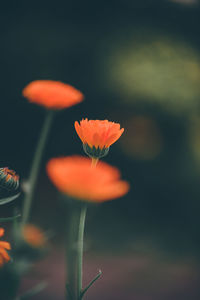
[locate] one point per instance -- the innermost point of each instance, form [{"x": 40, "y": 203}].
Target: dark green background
[{"x": 66, "y": 41}]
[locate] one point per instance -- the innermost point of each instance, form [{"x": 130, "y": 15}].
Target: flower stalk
[
  {"x": 71, "y": 257},
  {"x": 94, "y": 162},
  {"x": 74, "y": 255},
  {"x": 80, "y": 249},
  {"x": 29, "y": 192}
]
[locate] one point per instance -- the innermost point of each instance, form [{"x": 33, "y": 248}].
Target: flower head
[
  {"x": 74, "y": 176},
  {"x": 52, "y": 94},
  {"x": 9, "y": 179},
  {"x": 33, "y": 236},
  {"x": 4, "y": 257},
  {"x": 97, "y": 136}
]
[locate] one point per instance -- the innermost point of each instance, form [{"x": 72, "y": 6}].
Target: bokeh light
[{"x": 156, "y": 68}]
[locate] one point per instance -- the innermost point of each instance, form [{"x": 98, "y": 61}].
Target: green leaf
[
  {"x": 34, "y": 291},
  {"x": 10, "y": 218},
  {"x": 8, "y": 199}
]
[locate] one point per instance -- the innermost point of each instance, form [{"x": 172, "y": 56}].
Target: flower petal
[
  {"x": 74, "y": 176},
  {"x": 98, "y": 133}
]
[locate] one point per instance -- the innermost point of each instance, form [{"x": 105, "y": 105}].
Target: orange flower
[
  {"x": 74, "y": 176},
  {"x": 33, "y": 236},
  {"x": 52, "y": 94},
  {"x": 4, "y": 257},
  {"x": 98, "y": 135}
]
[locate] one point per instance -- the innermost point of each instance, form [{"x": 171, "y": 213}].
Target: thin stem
[
  {"x": 71, "y": 253},
  {"x": 80, "y": 249},
  {"x": 35, "y": 165},
  {"x": 91, "y": 283},
  {"x": 94, "y": 162},
  {"x": 74, "y": 254}
]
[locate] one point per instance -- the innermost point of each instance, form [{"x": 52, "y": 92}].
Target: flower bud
[{"x": 9, "y": 180}]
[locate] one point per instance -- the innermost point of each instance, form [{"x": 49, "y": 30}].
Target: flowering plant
[{"x": 84, "y": 180}]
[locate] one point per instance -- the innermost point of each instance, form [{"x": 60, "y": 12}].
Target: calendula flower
[
  {"x": 97, "y": 136},
  {"x": 74, "y": 176},
  {"x": 4, "y": 257},
  {"x": 52, "y": 94},
  {"x": 9, "y": 179},
  {"x": 33, "y": 236}
]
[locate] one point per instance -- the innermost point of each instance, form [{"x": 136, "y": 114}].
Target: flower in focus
[
  {"x": 4, "y": 257},
  {"x": 9, "y": 179},
  {"x": 97, "y": 136},
  {"x": 52, "y": 94},
  {"x": 33, "y": 236},
  {"x": 74, "y": 176}
]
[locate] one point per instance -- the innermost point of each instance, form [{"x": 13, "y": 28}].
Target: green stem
[
  {"x": 74, "y": 253},
  {"x": 71, "y": 253},
  {"x": 80, "y": 250},
  {"x": 35, "y": 165}
]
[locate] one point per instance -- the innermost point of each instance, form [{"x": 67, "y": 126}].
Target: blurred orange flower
[
  {"x": 52, "y": 94},
  {"x": 4, "y": 257},
  {"x": 98, "y": 135},
  {"x": 74, "y": 176},
  {"x": 33, "y": 236}
]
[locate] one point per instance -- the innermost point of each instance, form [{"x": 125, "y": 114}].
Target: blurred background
[{"x": 137, "y": 63}]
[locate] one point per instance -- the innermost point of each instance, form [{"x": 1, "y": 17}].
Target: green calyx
[{"x": 95, "y": 152}]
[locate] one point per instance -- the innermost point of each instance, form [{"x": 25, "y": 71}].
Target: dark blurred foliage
[{"x": 71, "y": 41}]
